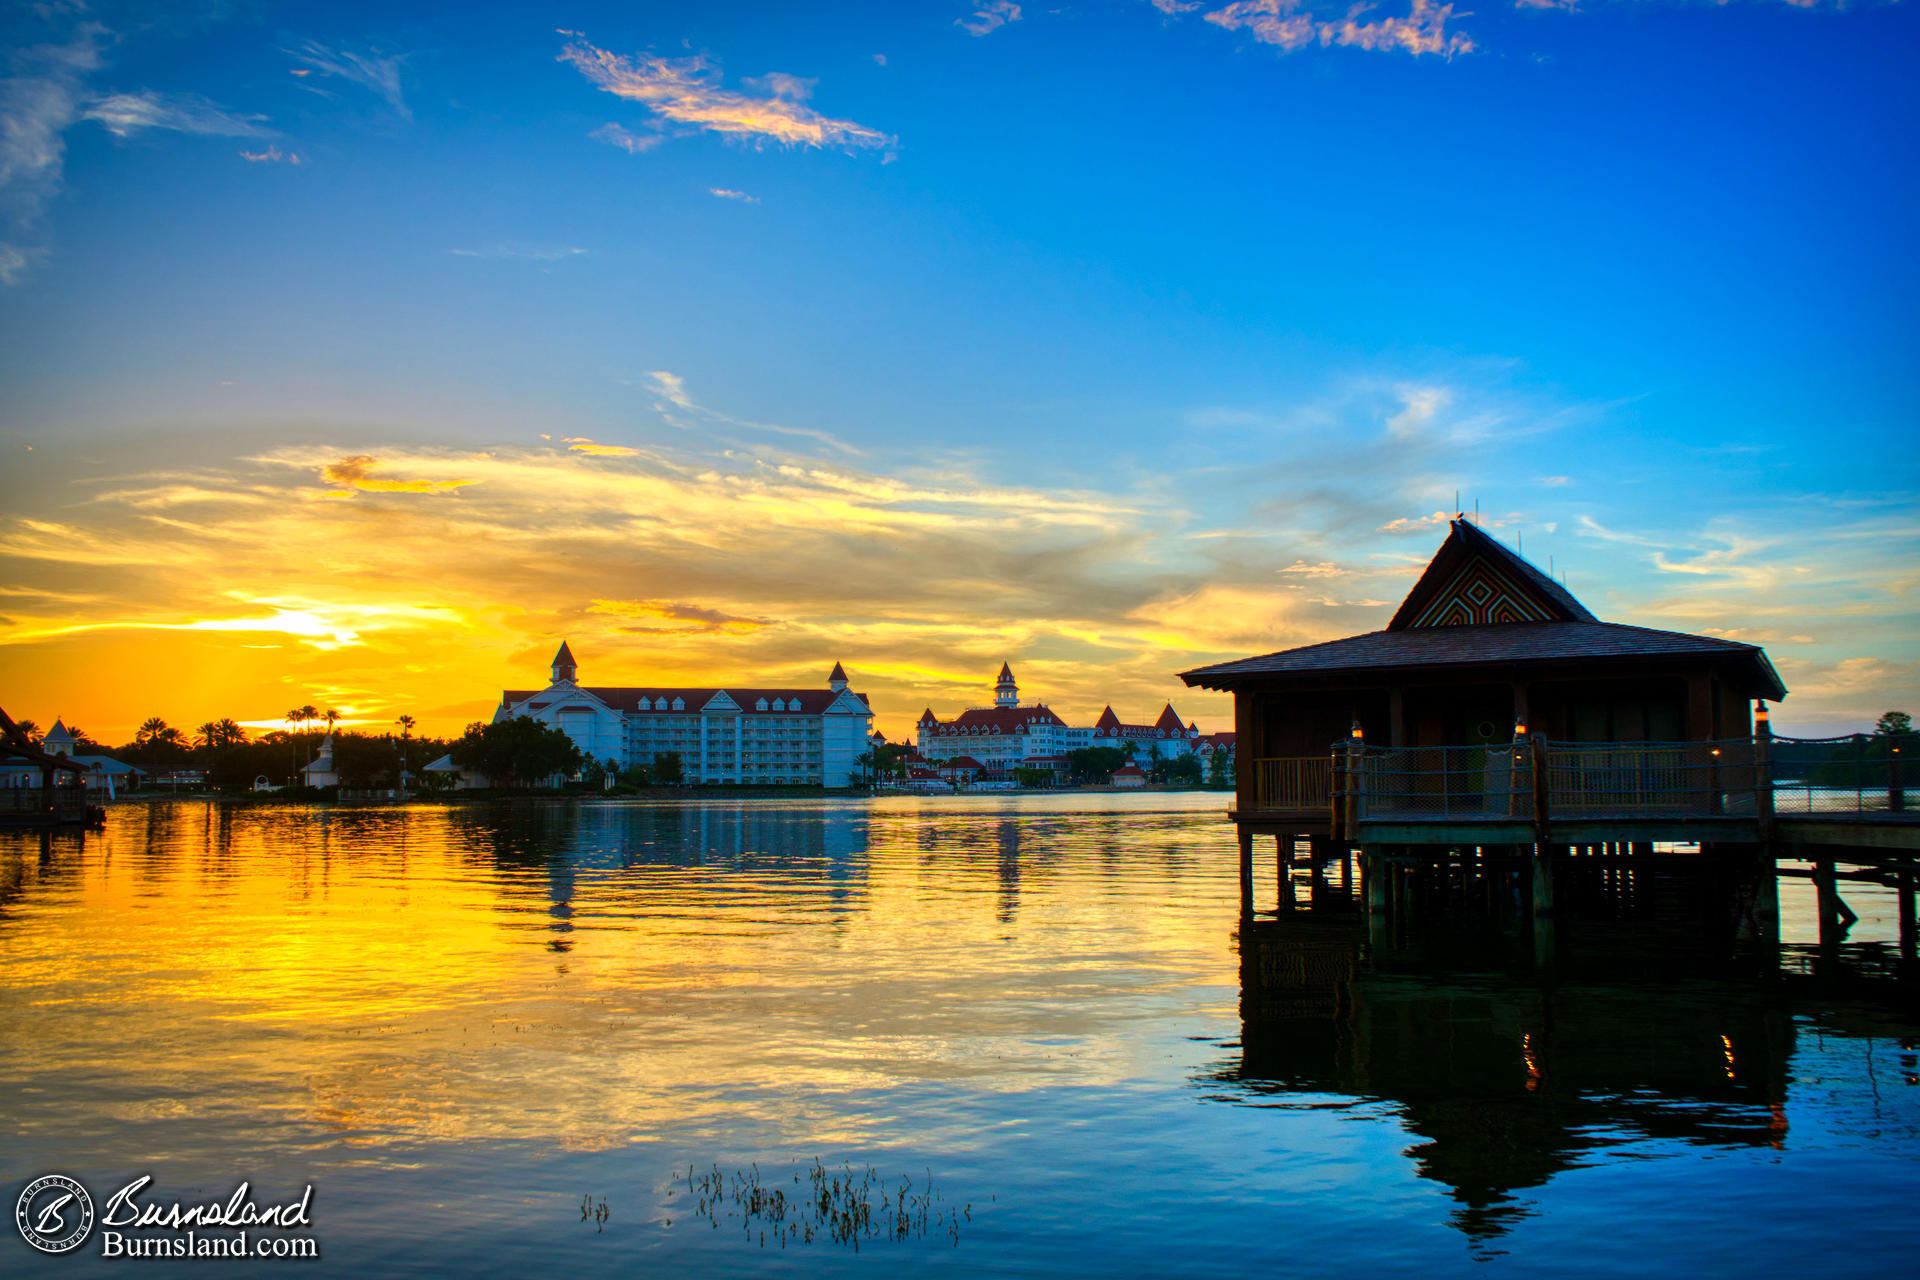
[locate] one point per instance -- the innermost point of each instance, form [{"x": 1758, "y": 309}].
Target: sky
[{"x": 357, "y": 355}]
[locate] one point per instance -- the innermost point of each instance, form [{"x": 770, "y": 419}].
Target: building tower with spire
[
  {"x": 837, "y": 678},
  {"x": 564, "y": 669},
  {"x": 1005, "y": 692}
]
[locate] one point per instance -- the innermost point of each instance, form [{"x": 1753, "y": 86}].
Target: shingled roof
[{"x": 1480, "y": 604}]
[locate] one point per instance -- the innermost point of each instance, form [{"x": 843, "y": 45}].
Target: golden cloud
[
  {"x": 686, "y": 92},
  {"x": 357, "y": 473}
]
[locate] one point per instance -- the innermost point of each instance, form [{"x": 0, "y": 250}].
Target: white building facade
[{"x": 737, "y": 735}]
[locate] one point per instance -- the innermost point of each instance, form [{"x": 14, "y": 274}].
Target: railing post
[
  {"x": 1337, "y": 796},
  {"x": 1763, "y": 771},
  {"x": 1896, "y": 796},
  {"x": 1542, "y": 803},
  {"x": 1356, "y": 777}
]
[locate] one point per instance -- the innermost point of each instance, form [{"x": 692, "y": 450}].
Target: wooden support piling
[
  {"x": 1246, "y": 872},
  {"x": 1906, "y": 890}
]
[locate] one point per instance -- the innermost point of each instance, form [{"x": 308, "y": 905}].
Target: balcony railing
[{"x": 1293, "y": 782}]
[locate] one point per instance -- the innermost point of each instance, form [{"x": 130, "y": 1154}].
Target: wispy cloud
[
  {"x": 1289, "y": 25},
  {"x": 989, "y": 16},
  {"x": 523, "y": 252},
  {"x": 272, "y": 155},
  {"x": 48, "y": 94},
  {"x": 726, "y": 194},
  {"x": 596, "y": 450},
  {"x": 672, "y": 387},
  {"x": 38, "y": 103},
  {"x": 673, "y": 617},
  {"x": 686, "y": 95},
  {"x": 626, "y": 139},
  {"x": 124, "y": 114},
  {"x": 1416, "y": 524},
  {"x": 680, "y": 410},
  {"x": 380, "y": 74}
]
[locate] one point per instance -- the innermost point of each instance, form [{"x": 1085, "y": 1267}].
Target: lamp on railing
[{"x": 1357, "y": 734}]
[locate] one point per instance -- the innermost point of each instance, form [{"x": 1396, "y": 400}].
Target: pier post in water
[
  {"x": 1373, "y": 874},
  {"x": 1544, "y": 940},
  {"x": 1283, "y": 873},
  {"x": 1246, "y": 872},
  {"x": 1904, "y": 888}
]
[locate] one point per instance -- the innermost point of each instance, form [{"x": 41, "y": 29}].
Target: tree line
[{"x": 231, "y": 756}]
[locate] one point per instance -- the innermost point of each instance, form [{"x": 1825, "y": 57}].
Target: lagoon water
[{"x": 1017, "y": 1031}]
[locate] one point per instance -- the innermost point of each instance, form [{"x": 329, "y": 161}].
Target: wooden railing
[
  {"x": 1293, "y": 782},
  {"x": 1536, "y": 781}
]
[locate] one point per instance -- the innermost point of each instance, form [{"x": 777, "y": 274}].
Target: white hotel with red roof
[
  {"x": 1007, "y": 734},
  {"x": 803, "y": 737}
]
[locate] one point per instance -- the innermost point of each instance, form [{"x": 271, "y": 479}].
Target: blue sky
[{"x": 1110, "y": 339}]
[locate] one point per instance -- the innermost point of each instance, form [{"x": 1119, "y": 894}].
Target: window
[
  {"x": 679, "y": 704},
  {"x": 762, "y": 705}
]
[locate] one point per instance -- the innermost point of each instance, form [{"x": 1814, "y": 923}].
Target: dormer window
[
  {"x": 779, "y": 704},
  {"x": 679, "y": 704},
  {"x": 761, "y": 705},
  {"x": 646, "y": 704}
]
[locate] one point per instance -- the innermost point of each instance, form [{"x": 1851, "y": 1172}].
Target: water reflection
[
  {"x": 493, "y": 1009},
  {"x": 1663, "y": 1028}
]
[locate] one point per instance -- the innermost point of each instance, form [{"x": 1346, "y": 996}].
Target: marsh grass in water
[{"x": 847, "y": 1207}]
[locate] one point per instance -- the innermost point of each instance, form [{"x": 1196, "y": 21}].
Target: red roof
[
  {"x": 1006, "y": 674},
  {"x": 963, "y": 762},
  {"x": 1170, "y": 721},
  {"x": 1000, "y": 720},
  {"x": 838, "y": 673},
  {"x": 927, "y": 717},
  {"x": 1129, "y": 771}
]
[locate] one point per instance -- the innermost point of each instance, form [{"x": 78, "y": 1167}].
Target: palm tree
[
  {"x": 406, "y": 724},
  {"x": 303, "y": 716},
  {"x": 29, "y": 729},
  {"x": 330, "y": 715},
  {"x": 151, "y": 730}
]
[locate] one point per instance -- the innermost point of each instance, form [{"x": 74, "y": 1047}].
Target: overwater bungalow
[{"x": 1493, "y": 703}]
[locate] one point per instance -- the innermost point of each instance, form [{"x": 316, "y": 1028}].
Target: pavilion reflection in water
[{"x": 1508, "y": 1081}]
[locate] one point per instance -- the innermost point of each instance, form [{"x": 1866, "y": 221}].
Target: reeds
[{"x": 844, "y": 1207}]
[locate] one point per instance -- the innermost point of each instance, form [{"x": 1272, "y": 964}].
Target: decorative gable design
[
  {"x": 1480, "y": 593},
  {"x": 1476, "y": 580}
]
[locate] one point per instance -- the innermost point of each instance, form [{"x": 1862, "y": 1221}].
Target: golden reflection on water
[{"x": 588, "y": 976}]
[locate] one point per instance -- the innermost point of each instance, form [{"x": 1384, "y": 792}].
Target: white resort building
[
  {"x": 1007, "y": 734},
  {"x": 737, "y": 734}
]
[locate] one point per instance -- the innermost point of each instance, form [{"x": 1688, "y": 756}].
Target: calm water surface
[{"x": 457, "y": 1022}]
